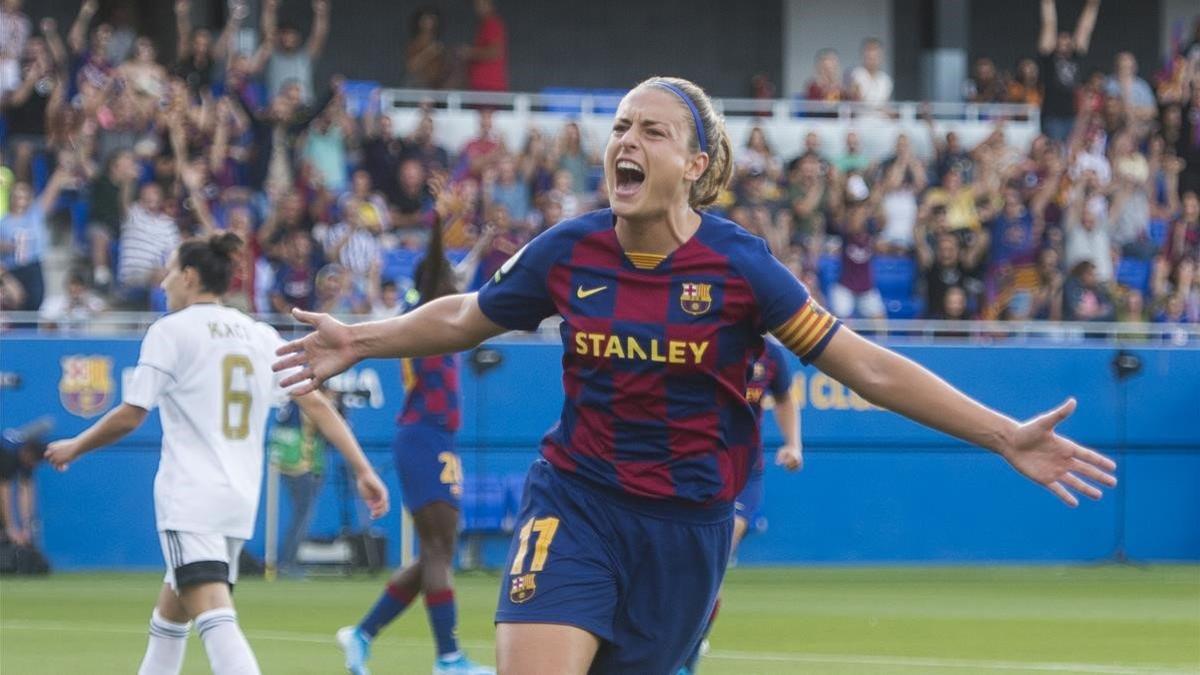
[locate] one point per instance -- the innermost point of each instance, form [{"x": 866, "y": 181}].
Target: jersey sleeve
[
  {"x": 785, "y": 307},
  {"x": 156, "y": 370},
  {"x": 517, "y": 297},
  {"x": 781, "y": 381}
]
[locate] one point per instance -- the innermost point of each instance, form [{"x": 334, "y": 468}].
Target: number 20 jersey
[{"x": 207, "y": 368}]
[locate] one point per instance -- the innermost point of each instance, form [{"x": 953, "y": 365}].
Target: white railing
[
  {"x": 588, "y": 104},
  {"x": 134, "y": 324}
]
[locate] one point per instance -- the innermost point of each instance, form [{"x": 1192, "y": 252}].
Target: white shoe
[{"x": 357, "y": 649}]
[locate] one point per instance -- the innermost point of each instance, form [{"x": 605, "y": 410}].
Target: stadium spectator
[
  {"x": 1046, "y": 299},
  {"x": 868, "y": 81},
  {"x": 487, "y": 57},
  {"x": 110, "y": 197},
  {"x": 758, "y": 157},
  {"x": 504, "y": 187},
  {"x": 290, "y": 62},
  {"x": 855, "y": 293},
  {"x": 481, "y": 152},
  {"x": 852, "y": 157},
  {"x": 1085, "y": 298},
  {"x": 25, "y": 235},
  {"x": 826, "y": 83},
  {"x": 939, "y": 255},
  {"x": 422, "y": 145},
  {"x": 985, "y": 84},
  {"x": 573, "y": 157},
  {"x": 195, "y": 54},
  {"x": 26, "y": 106},
  {"x": 385, "y": 302},
  {"x": 15, "y": 29},
  {"x": 903, "y": 178},
  {"x": 809, "y": 195},
  {"x": 1187, "y": 147},
  {"x": 72, "y": 309},
  {"x": 274, "y": 132},
  {"x": 148, "y": 236},
  {"x": 1086, "y": 226},
  {"x": 1014, "y": 236},
  {"x": 426, "y": 63},
  {"x": 325, "y": 145},
  {"x": 295, "y": 278},
  {"x": 1059, "y": 54},
  {"x": 335, "y": 293},
  {"x": 1026, "y": 85},
  {"x": 1134, "y": 92}
]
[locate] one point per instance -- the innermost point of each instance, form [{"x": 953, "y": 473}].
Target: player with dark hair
[
  {"x": 431, "y": 484},
  {"x": 626, "y": 521},
  {"x": 205, "y": 365}
]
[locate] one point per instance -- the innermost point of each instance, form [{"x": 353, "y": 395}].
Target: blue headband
[{"x": 695, "y": 113}]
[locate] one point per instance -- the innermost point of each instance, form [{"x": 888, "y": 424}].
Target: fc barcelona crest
[
  {"x": 86, "y": 386},
  {"x": 696, "y": 299},
  {"x": 522, "y": 587}
]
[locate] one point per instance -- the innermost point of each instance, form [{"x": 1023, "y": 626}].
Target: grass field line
[{"x": 717, "y": 654}]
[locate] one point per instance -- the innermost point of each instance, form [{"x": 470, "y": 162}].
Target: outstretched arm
[
  {"x": 320, "y": 28},
  {"x": 77, "y": 36},
  {"x": 450, "y": 324},
  {"x": 1087, "y": 22},
  {"x": 1049, "y": 27},
  {"x": 114, "y": 426},
  {"x": 1032, "y": 447},
  {"x": 334, "y": 428}
]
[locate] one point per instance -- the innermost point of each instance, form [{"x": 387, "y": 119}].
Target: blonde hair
[{"x": 716, "y": 176}]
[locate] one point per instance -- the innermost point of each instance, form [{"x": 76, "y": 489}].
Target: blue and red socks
[
  {"x": 390, "y": 605},
  {"x": 443, "y": 619}
]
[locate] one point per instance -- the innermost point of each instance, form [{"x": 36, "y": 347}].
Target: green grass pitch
[{"x": 1107, "y": 619}]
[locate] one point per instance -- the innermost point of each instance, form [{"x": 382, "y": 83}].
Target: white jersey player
[{"x": 208, "y": 369}]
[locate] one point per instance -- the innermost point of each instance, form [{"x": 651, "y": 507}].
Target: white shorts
[{"x": 195, "y": 558}]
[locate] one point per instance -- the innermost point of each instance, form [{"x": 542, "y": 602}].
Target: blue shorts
[
  {"x": 430, "y": 471},
  {"x": 641, "y": 576},
  {"x": 749, "y": 502}
]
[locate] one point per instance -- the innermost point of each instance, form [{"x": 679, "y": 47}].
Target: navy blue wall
[{"x": 875, "y": 487}]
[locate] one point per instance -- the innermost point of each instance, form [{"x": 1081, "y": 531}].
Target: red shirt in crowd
[{"x": 490, "y": 74}]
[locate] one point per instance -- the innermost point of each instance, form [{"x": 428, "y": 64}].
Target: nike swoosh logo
[{"x": 581, "y": 294}]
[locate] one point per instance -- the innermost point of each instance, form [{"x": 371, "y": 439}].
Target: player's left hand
[
  {"x": 1057, "y": 463},
  {"x": 61, "y": 453},
  {"x": 790, "y": 458},
  {"x": 373, "y": 492}
]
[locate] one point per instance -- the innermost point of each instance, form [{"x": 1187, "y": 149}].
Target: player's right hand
[
  {"x": 320, "y": 355},
  {"x": 61, "y": 453},
  {"x": 373, "y": 492}
]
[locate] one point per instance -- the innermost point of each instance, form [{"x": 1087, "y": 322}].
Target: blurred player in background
[
  {"x": 207, "y": 366},
  {"x": 21, "y": 450},
  {"x": 431, "y": 484},
  {"x": 769, "y": 375},
  {"x": 627, "y": 518}
]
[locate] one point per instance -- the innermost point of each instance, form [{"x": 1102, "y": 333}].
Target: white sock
[
  {"x": 228, "y": 651},
  {"x": 164, "y": 652}
]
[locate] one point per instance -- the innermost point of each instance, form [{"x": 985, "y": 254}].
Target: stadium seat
[
  {"x": 399, "y": 265},
  {"x": 358, "y": 95},
  {"x": 1158, "y": 231},
  {"x": 564, "y": 99},
  {"x": 829, "y": 268},
  {"x": 607, "y": 100},
  {"x": 1134, "y": 273},
  {"x": 894, "y": 277}
]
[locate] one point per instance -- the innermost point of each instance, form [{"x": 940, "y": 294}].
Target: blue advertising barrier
[{"x": 875, "y": 487}]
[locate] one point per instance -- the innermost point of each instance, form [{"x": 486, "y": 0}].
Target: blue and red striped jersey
[
  {"x": 656, "y": 351},
  {"x": 769, "y": 374},
  {"x": 431, "y": 392}
]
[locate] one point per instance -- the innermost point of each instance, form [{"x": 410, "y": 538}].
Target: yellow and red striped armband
[{"x": 806, "y": 329}]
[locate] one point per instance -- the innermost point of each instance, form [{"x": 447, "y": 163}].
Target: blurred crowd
[{"x": 1098, "y": 220}]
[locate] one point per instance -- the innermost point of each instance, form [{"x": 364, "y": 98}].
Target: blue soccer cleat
[
  {"x": 461, "y": 665},
  {"x": 356, "y": 647}
]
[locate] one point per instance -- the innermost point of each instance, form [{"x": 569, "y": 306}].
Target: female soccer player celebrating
[
  {"x": 431, "y": 484},
  {"x": 207, "y": 367},
  {"x": 626, "y": 519}
]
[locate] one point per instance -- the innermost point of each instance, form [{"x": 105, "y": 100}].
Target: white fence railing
[{"x": 785, "y": 121}]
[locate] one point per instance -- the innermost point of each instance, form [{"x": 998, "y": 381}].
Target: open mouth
[{"x": 630, "y": 176}]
